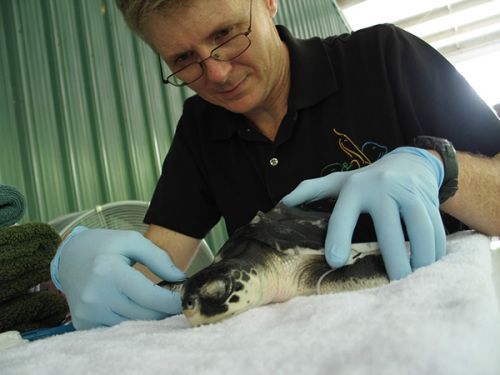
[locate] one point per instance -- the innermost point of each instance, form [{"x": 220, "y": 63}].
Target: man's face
[{"x": 240, "y": 85}]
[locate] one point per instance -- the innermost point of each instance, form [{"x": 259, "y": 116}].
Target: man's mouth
[{"x": 233, "y": 91}]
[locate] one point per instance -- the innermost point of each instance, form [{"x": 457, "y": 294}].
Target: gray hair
[{"x": 136, "y": 11}]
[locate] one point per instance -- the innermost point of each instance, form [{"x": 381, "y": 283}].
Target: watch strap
[{"x": 449, "y": 156}]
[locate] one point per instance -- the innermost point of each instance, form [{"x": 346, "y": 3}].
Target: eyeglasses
[{"x": 227, "y": 51}]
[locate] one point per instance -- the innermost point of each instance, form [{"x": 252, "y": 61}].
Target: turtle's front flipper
[{"x": 365, "y": 269}]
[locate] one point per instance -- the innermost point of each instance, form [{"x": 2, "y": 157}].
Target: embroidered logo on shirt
[{"x": 357, "y": 156}]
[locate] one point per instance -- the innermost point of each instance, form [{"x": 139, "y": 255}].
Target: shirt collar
[
  {"x": 312, "y": 79},
  {"x": 312, "y": 74}
]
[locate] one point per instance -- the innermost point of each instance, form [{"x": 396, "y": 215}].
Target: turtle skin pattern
[{"x": 277, "y": 256}]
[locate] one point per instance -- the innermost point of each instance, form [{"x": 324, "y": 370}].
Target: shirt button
[{"x": 273, "y": 162}]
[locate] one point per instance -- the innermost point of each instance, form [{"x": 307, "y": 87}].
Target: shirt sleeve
[
  {"x": 430, "y": 89},
  {"x": 182, "y": 200}
]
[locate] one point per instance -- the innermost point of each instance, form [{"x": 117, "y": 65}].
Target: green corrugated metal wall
[{"x": 84, "y": 119}]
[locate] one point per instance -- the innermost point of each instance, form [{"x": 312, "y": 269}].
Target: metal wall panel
[
  {"x": 306, "y": 18},
  {"x": 84, "y": 119}
]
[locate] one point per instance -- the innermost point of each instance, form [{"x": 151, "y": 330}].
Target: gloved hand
[
  {"x": 402, "y": 184},
  {"x": 93, "y": 267}
]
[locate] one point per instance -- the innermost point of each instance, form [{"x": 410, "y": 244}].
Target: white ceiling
[{"x": 467, "y": 32}]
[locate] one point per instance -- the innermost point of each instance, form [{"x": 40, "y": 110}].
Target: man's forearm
[
  {"x": 477, "y": 201},
  {"x": 179, "y": 247}
]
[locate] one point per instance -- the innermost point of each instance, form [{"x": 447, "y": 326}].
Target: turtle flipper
[{"x": 317, "y": 277}]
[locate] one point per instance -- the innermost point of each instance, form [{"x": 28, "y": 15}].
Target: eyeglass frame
[{"x": 200, "y": 63}]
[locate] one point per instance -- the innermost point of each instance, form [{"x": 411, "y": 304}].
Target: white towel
[
  {"x": 9, "y": 339},
  {"x": 443, "y": 319}
]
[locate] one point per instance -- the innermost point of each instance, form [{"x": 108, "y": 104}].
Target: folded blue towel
[{"x": 12, "y": 205}]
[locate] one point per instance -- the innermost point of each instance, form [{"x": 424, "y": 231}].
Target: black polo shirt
[{"x": 353, "y": 98}]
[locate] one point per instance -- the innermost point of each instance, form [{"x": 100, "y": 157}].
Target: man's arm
[
  {"x": 179, "y": 247},
  {"x": 477, "y": 201}
]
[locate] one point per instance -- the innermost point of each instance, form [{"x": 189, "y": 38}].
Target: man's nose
[{"x": 217, "y": 71}]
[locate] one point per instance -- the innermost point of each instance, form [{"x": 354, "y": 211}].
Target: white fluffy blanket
[{"x": 442, "y": 319}]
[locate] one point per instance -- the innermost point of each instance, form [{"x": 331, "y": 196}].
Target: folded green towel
[
  {"x": 25, "y": 254},
  {"x": 12, "y": 205},
  {"x": 32, "y": 311}
]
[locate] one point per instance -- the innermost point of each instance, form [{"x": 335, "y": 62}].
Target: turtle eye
[{"x": 189, "y": 303}]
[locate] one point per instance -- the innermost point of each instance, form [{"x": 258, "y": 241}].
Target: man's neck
[{"x": 267, "y": 119}]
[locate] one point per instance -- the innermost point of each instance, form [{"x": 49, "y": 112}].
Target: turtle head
[{"x": 219, "y": 292}]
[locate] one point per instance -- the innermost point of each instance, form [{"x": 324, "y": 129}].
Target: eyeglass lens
[{"x": 227, "y": 51}]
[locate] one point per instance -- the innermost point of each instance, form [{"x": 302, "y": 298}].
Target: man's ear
[{"x": 272, "y": 6}]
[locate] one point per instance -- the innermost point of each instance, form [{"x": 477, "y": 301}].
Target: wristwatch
[{"x": 449, "y": 156}]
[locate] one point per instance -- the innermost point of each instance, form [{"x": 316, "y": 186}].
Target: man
[{"x": 272, "y": 111}]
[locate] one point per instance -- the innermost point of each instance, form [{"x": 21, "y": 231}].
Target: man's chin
[{"x": 240, "y": 105}]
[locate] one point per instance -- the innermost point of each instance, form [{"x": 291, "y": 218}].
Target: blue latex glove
[
  {"x": 93, "y": 267},
  {"x": 402, "y": 184}
]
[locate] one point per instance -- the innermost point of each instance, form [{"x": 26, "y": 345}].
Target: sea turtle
[{"x": 277, "y": 256}]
